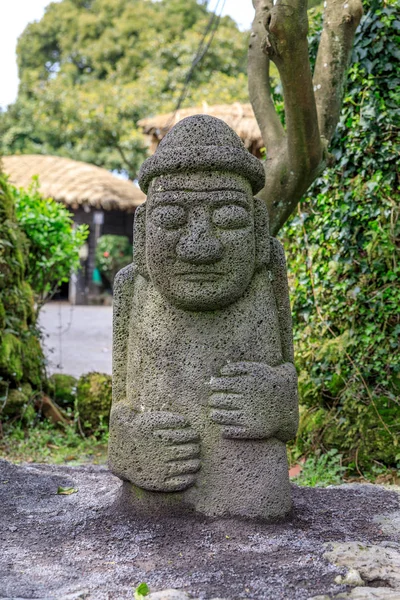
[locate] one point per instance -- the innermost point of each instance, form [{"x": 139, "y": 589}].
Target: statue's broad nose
[{"x": 199, "y": 245}]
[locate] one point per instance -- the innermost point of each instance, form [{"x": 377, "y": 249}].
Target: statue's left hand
[{"x": 253, "y": 400}]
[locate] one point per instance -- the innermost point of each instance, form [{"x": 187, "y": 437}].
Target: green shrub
[
  {"x": 93, "y": 401},
  {"x": 62, "y": 389},
  {"x": 113, "y": 252},
  {"x": 54, "y": 242},
  {"x": 38, "y": 249},
  {"x": 344, "y": 266}
]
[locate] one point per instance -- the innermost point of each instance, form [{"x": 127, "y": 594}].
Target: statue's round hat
[{"x": 202, "y": 143}]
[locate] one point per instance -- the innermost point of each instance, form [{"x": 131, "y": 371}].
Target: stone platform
[{"x": 342, "y": 542}]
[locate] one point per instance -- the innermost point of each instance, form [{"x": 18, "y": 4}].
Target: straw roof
[
  {"x": 73, "y": 183},
  {"x": 238, "y": 116}
]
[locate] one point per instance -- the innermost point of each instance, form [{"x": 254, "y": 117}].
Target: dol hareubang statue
[{"x": 205, "y": 390}]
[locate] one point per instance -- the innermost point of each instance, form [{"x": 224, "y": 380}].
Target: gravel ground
[
  {"x": 86, "y": 545},
  {"x": 77, "y": 339}
]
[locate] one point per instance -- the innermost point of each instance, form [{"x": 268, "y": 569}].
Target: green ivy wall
[{"x": 344, "y": 262}]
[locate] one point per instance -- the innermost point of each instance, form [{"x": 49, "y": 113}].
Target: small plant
[
  {"x": 322, "y": 470},
  {"x": 113, "y": 252},
  {"x": 141, "y": 591}
]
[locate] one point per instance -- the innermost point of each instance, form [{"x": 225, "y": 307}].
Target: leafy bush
[
  {"x": 54, "y": 241},
  {"x": 344, "y": 266},
  {"x": 21, "y": 358},
  {"x": 113, "y": 252}
]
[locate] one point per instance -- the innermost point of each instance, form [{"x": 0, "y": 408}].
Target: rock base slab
[{"x": 85, "y": 545}]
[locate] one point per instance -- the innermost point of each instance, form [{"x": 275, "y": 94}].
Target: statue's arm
[
  {"x": 281, "y": 292},
  {"x": 264, "y": 402},
  {"x": 155, "y": 450},
  {"x": 122, "y": 308},
  {"x": 289, "y": 408}
]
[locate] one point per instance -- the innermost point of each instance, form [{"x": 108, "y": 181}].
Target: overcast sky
[{"x": 16, "y": 14}]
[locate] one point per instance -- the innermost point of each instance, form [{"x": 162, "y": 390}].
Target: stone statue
[{"x": 205, "y": 390}]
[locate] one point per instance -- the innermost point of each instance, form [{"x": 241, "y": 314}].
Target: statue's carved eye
[
  {"x": 169, "y": 217},
  {"x": 231, "y": 216}
]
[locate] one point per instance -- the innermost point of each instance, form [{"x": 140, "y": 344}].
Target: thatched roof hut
[
  {"x": 76, "y": 184},
  {"x": 95, "y": 197},
  {"x": 238, "y": 116}
]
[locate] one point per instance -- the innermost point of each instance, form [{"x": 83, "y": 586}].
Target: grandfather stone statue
[{"x": 205, "y": 390}]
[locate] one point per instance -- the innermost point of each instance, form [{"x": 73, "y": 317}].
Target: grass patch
[
  {"x": 323, "y": 470},
  {"x": 45, "y": 443}
]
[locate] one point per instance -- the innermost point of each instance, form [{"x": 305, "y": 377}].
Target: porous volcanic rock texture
[
  {"x": 86, "y": 545},
  {"x": 204, "y": 385}
]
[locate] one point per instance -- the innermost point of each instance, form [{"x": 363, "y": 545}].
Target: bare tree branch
[
  {"x": 295, "y": 157},
  {"x": 341, "y": 19},
  {"x": 259, "y": 85},
  {"x": 291, "y": 169},
  {"x": 286, "y": 44}
]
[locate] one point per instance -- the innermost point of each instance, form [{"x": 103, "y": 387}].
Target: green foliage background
[
  {"x": 54, "y": 242},
  {"x": 91, "y": 69},
  {"x": 343, "y": 251}
]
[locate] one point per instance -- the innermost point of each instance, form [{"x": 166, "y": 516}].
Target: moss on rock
[
  {"x": 32, "y": 359},
  {"x": 2, "y": 316},
  {"x": 11, "y": 367},
  {"x": 21, "y": 356},
  {"x": 62, "y": 389},
  {"x": 18, "y": 400},
  {"x": 93, "y": 400}
]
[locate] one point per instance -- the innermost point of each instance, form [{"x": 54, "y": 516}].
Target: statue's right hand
[{"x": 156, "y": 451}]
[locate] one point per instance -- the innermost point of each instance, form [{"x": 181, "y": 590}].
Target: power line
[{"x": 202, "y": 49}]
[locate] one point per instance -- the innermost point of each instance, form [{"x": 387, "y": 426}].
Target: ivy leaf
[
  {"x": 141, "y": 591},
  {"x": 66, "y": 491}
]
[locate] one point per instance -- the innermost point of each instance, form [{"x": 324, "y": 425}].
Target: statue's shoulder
[
  {"x": 276, "y": 268},
  {"x": 128, "y": 281},
  {"x": 124, "y": 280},
  {"x": 126, "y": 274},
  {"x": 277, "y": 256}
]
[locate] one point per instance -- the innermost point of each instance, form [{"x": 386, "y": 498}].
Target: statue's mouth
[{"x": 200, "y": 275}]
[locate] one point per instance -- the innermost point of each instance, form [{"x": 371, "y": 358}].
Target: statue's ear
[
  {"x": 139, "y": 241},
  {"x": 261, "y": 231}
]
